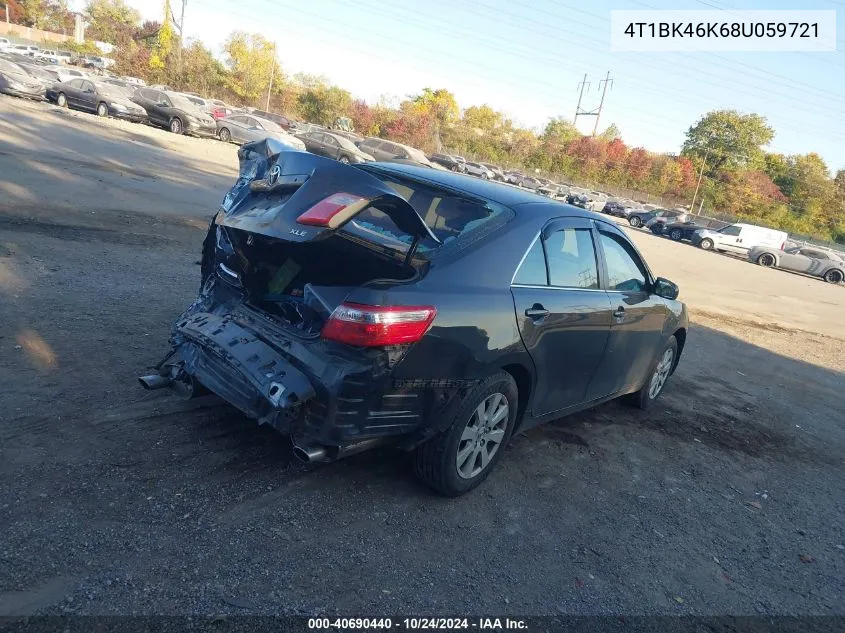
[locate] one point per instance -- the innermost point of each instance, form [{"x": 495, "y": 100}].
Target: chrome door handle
[
  {"x": 619, "y": 314},
  {"x": 536, "y": 313}
]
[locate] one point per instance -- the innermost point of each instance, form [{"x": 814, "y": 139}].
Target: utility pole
[
  {"x": 605, "y": 81},
  {"x": 272, "y": 72},
  {"x": 698, "y": 184},
  {"x": 578, "y": 110},
  {"x": 7, "y": 12}
]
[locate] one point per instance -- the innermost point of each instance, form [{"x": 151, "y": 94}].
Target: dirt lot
[{"x": 726, "y": 498}]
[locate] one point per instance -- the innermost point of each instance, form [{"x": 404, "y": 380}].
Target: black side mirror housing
[{"x": 666, "y": 289}]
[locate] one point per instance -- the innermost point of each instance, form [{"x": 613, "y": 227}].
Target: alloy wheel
[
  {"x": 766, "y": 259},
  {"x": 482, "y": 436},
  {"x": 661, "y": 373}
]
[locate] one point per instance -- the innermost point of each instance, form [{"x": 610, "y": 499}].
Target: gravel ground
[{"x": 726, "y": 498}]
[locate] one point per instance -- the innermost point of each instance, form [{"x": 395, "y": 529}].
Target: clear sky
[{"x": 526, "y": 57}]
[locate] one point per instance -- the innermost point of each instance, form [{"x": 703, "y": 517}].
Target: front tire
[
  {"x": 676, "y": 235},
  {"x": 635, "y": 222},
  {"x": 61, "y": 100},
  {"x": 658, "y": 377},
  {"x": 834, "y": 276},
  {"x": 176, "y": 125},
  {"x": 102, "y": 109},
  {"x": 461, "y": 457},
  {"x": 767, "y": 260},
  {"x": 344, "y": 160},
  {"x": 224, "y": 135},
  {"x": 706, "y": 244}
]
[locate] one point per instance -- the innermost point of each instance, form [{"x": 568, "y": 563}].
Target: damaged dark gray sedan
[{"x": 351, "y": 306}]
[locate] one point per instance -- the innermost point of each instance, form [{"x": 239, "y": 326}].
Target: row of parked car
[{"x": 759, "y": 244}]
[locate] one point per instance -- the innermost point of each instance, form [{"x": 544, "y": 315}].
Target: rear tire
[
  {"x": 224, "y": 134},
  {"x": 176, "y": 125},
  {"x": 767, "y": 260},
  {"x": 635, "y": 222},
  {"x": 344, "y": 160},
  {"x": 61, "y": 100},
  {"x": 676, "y": 235},
  {"x": 706, "y": 244},
  {"x": 660, "y": 373},
  {"x": 102, "y": 109},
  {"x": 834, "y": 276},
  {"x": 458, "y": 459}
]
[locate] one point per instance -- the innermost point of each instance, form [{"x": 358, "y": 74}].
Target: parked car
[
  {"x": 616, "y": 208},
  {"x": 498, "y": 174},
  {"x": 447, "y": 161},
  {"x": 173, "y": 111},
  {"x": 95, "y": 96},
  {"x": 245, "y": 128},
  {"x": 332, "y": 145},
  {"x": 282, "y": 121},
  {"x": 477, "y": 169},
  {"x": 15, "y": 81},
  {"x": 5, "y": 44},
  {"x": 578, "y": 200},
  {"x": 337, "y": 315},
  {"x": 45, "y": 75},
  {"x": 805, "y": 259},
  {"x": 391, "y": 152},
  {"x": 644, "y": 217},
  {"x": 135, "y": 81},
  {"x": 677, "y": 231},
  {"x": 739, "y": 238},
  {"x": 66, "y": 74},
  {"x": 97, "y": 62},
  {"x": 24, "y": 49}
]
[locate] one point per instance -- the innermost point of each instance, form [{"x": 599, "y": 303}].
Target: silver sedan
[
  {"x": 808, "y": 260},
  {"x": 245, "y": 128}
]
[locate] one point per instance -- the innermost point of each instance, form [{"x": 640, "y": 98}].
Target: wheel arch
[
  {"x": 681, "y": 337},
  {"x": 524, "y": 379}
]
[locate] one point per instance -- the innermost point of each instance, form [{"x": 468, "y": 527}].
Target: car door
[
  {"x": 730, "y": 239},
  {"x": 153, "y": 100},
  {"x": 564, "y": 318},
  {"x": 638, "y": 316},
  {"x": 252, "y": 130},
  {"x": 332, "y": 147},
  {"x": 794, "y": 259},
  {"x": 88, "y": 96},
  {"x": 814, "y": 262},
  {"x": 71, "y": 89}
]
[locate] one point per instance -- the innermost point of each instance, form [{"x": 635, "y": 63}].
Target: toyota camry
[{"x": 350, "y": 306}]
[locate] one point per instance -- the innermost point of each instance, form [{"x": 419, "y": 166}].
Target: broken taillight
[
  {"x": 333, "y": 211},
  {"x": 377, "y": 326}
]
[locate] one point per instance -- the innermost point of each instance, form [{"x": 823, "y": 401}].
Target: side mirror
[{"x": 666, "y": 289}]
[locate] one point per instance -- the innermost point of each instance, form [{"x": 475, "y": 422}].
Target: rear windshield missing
[{"x": 455, "y": 220}]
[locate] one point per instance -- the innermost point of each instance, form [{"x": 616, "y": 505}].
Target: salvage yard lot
[{"x": 724, "y": 498}]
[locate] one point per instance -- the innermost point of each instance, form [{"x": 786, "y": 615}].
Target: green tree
[
  {"x": 48, "y": 15},
  {"x": 730, "y": 140},
  {"x": 560, "y": 130},
  {"x": 813, "y": 191},
  {"x": 611, "y": 133},
  {"x": 250, "y": 59},
  {"x": 323, "y": 104},
  {"x": 483, "y": 118},
  {"x": 111, "y": 21},
  {"x": 200, "y": 71}
]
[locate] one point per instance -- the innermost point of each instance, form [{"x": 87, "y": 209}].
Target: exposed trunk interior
[{"x": 301, "y": 283}]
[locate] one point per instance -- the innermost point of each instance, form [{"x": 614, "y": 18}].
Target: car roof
[{"x": 496, "y": 192}]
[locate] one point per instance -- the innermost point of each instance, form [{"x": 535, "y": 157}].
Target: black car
[
  {"x": 578, "y": 200},
  {"x": 89, "y": 95},
  {"x": 356, "y": 305},
  {"x": 445, "y": 160},
  {"x": 175, "y": 112},
  {"x": 611, "y": 207},
  {"x": 333, "y": 145},
  {"x": 676, "y": 230},
  {"x": 278, "y": 119},
  {"x": 643, "y": 216}
]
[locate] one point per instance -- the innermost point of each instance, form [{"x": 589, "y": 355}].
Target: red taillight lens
[
  {"x": 333, "y": 211},
  {"x": 377, "y": 326}
]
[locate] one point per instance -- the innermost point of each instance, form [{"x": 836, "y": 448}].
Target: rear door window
[
  {"x": 572, "y": 259},
  {"x": 731, "y": 230}
]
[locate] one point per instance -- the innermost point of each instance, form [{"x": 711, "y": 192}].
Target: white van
[{"x": 738, "y": 238}]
